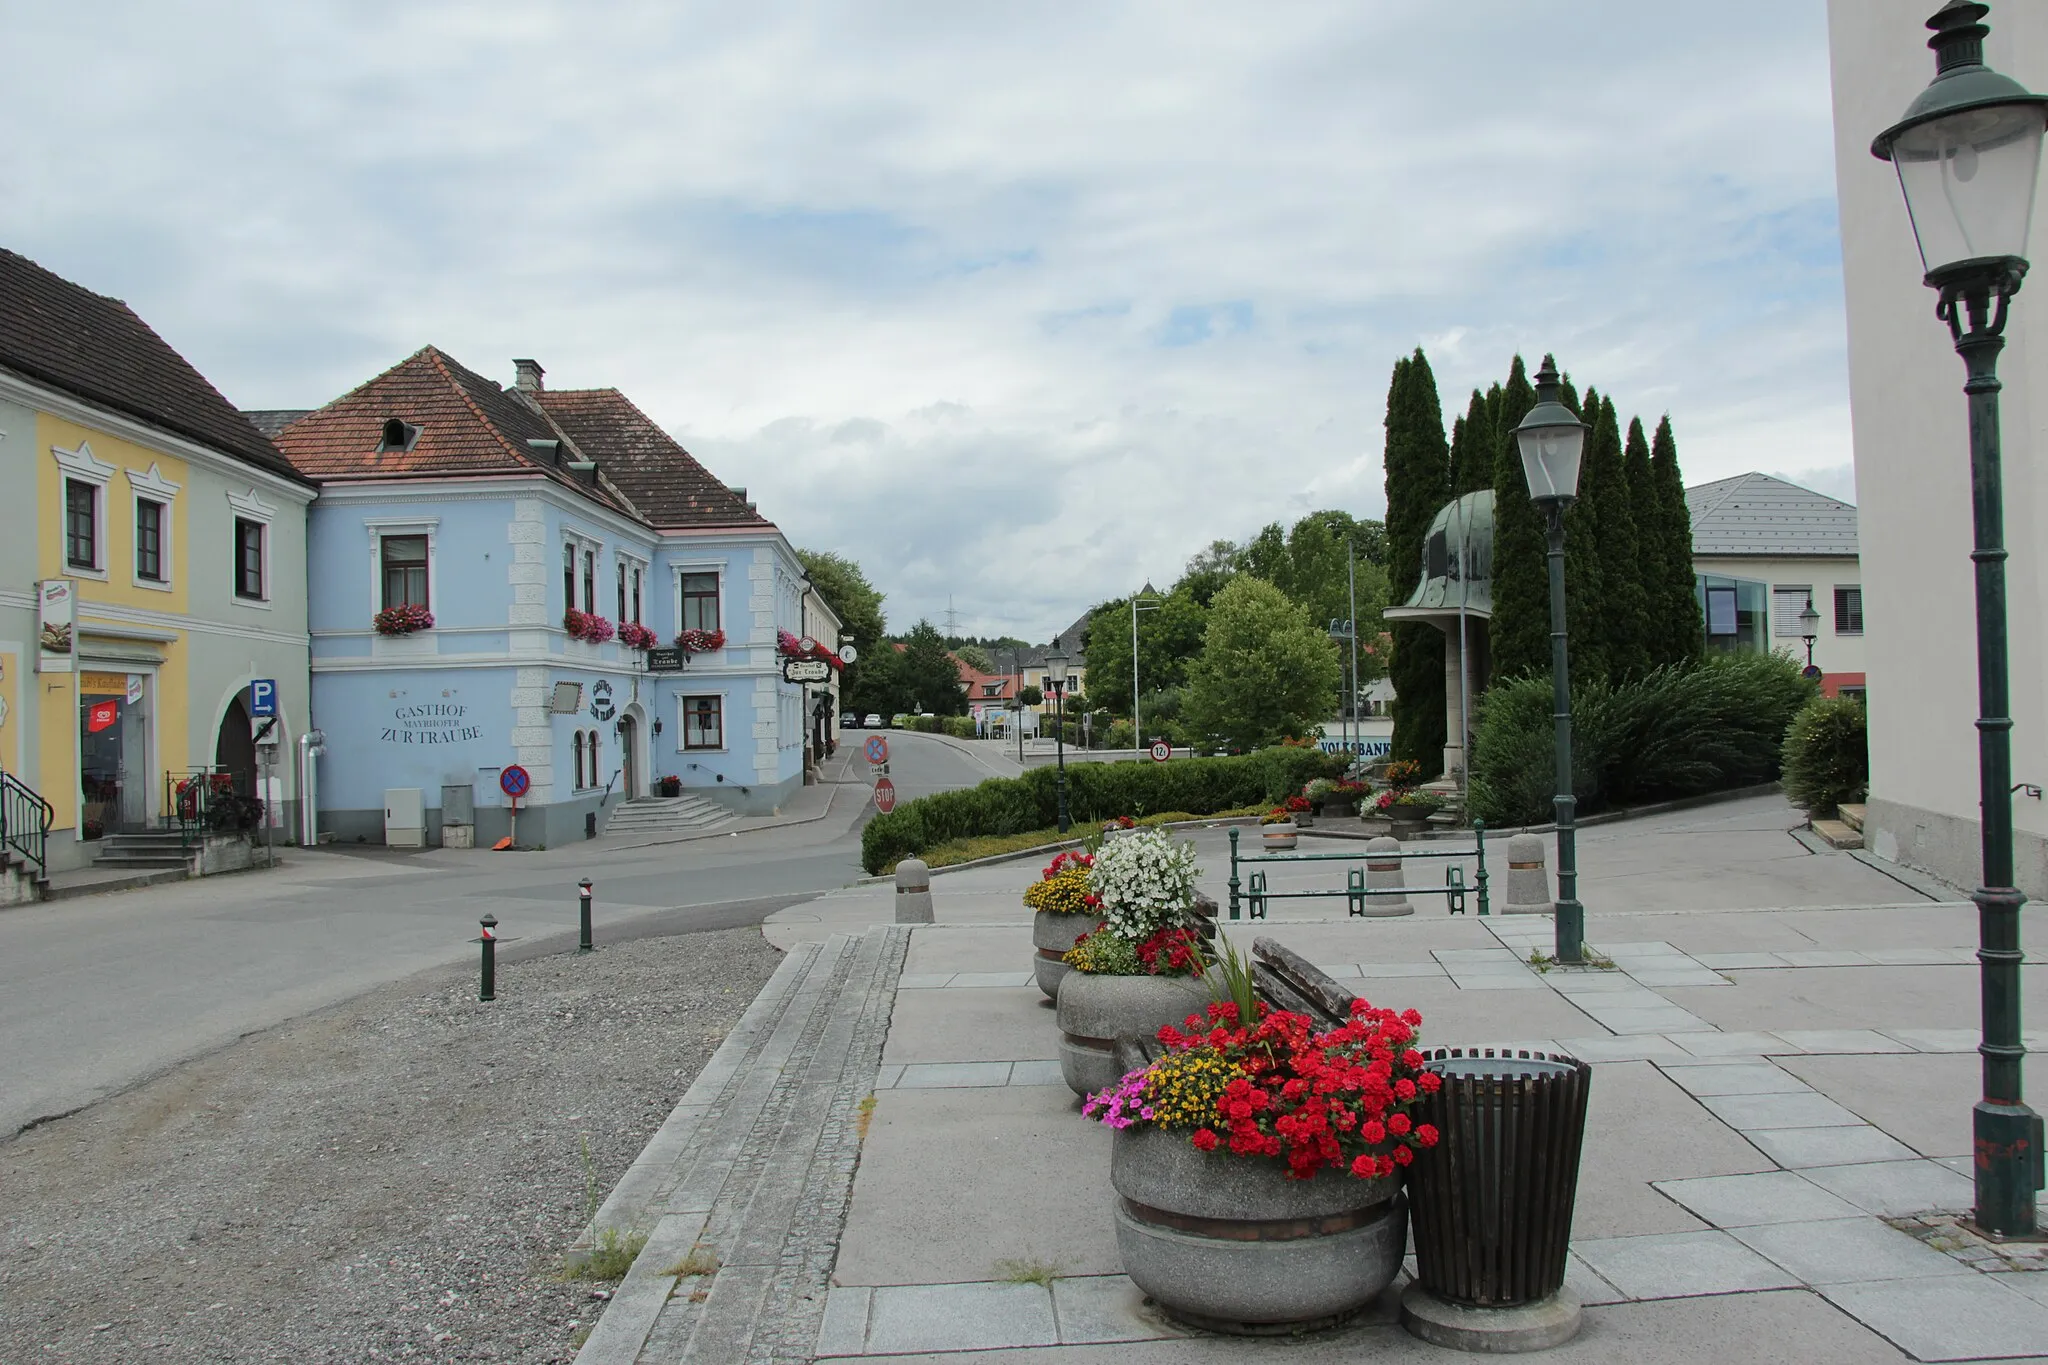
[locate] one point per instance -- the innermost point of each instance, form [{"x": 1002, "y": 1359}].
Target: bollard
[
  {"x": 913, "y": 892},
  {"x": 1528, "y": 878},
  {"x": 1386, "y": 885},
  {"x": 583, "y": 898},
  {"x": 489, "y": 938}
]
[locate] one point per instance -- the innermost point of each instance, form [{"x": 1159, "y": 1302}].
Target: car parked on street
[
  {"x": 873, "y": 722},
  {"x": 849, "y": 721}
]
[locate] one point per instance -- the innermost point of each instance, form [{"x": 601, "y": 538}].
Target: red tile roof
[
  {"x": 67, "y": 337},
  {"x": 467, "y": 425},
  {"x": 664, "y": 481}
]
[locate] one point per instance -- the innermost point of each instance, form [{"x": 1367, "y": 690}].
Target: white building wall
[
  {"x": 1912, "y": 471},
  {"x": 1833, "y": 653}
]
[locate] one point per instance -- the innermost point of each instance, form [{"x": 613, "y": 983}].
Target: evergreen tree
[
  {"x": 1472, "y": 466},
  {"x": 1674, "y": 603},
  {"x": 1649, "y": 519},
  {"x": 1521, "y": 574},
  {"x": 1621, "y": 616},
  {"x": 1585, "y": 598},
  {"x": 1418, "y": 473}
]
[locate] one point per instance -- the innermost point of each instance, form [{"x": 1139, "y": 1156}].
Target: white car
[{"x": 872, "y": 722}]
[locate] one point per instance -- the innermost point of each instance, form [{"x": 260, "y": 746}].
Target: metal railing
[
  {"x": 25, "y": 821},
  {"x": 202, "y": 800},
  {"x": 1361, "y": 897}
]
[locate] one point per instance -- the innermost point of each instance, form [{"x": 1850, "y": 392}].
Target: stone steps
[
  {"x": 755, "y": 1165},
  {"x": 1838, "y": 834},
  {"x": 666, "y": 815},
  {"x": 1852, "y": 816}
]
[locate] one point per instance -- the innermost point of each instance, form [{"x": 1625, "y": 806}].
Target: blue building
[{"x": 496, "y": 577}]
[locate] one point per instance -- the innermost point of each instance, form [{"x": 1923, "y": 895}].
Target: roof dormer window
[{"x": 399, "y": 435}]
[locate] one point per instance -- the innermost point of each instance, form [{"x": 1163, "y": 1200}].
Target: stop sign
[{"x": 885, "y": 796}]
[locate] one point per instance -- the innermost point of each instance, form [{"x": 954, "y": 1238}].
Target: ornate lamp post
[
  {"x": 1551, "y": 440},
  {"x": 1056, "y": 679},
  {"x": 1139, "y": 602},
  {"x": 1968, "y": 155},
  {"x": 1809, "y": 631}
]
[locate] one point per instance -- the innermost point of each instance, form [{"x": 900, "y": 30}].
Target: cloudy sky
[{"x": 1016, "y": 304}]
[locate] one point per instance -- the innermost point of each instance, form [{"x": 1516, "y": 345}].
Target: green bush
[
  {"x": 1119, "y": 735},
  {"x": 1095, "y": 792},
  {"x": 1680, "y": 731},
  {"x": 959, "y": 727},
  {"x": 1827, "y": 755}
]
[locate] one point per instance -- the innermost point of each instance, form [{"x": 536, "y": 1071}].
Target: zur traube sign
[{"x": 806, "y": 671}]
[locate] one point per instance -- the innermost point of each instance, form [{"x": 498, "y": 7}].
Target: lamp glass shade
[
  {"x": 1550, "y": 459},
  {"x": 1969, "y": 180},
  {"x": 1056, "y": 662},
  {"x": 1809, "y": 621}
]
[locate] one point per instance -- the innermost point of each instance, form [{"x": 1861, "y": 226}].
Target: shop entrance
[
  {"x": 234, "y": 749},
  {"x": 113, "y": 747}
]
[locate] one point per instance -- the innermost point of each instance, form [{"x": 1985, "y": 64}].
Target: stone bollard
[
  {"x": 1386, "y": 885},
  {"x": 1528, "y": 878},
  {"x": 913, "y": 892}
]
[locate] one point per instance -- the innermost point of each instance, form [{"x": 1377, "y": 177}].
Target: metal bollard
[
  {"x": 913, "y": 892},
  {"x": 583, "y": 900},
  {"x": 1386, "y": 884},
  {"x": 489, "y": 989},
  {"x": 1528, "y": 878}
]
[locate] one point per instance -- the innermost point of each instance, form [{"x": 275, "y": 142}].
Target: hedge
[
  {"x": 1827, "y": 755},
  {"x": 1095, "y": 792},
  {"x": 1680, "y": 731}
]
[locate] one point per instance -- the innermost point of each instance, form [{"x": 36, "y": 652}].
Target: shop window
[
  {"x": 700, "y": 601},
  {"x": 703, "y": 722}
]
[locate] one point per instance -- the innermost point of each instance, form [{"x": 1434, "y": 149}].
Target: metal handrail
[
  {"x": 1356, "y": 892},
  {"x": 25, "y": 821}
]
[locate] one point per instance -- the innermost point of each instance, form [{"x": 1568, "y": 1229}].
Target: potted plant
[
  {"x": 1277, "y": 829},
  {"x": 587, "y": 626},
  {"x": 1297, "y": 807},
  {"x": 633, "y": 635},
  {"x": 1063, "y": 910},
  {"x": 1123, "y": 824},
  {"x": 700, "y": 641},
  {"x": 669, "y": 785},
  {"x": 1318, "y": 793},
  {"x": 403, "y": 619},
  {"x": 1341, "y": 803},
  {"x": 1409, "y": 811},
  {"x": 1258, "y": 1162},
  {"x": 1143, "y": 967}
]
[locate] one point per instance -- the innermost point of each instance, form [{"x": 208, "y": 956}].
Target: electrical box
[
  {"x": 458, "y": 815},
  {"x": 405, "y": 817}
]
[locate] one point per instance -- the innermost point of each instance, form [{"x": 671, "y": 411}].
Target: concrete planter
[
  {"x": 1278, "y": 838},
  {"x": 1051, "y": 936},
  {"x": 231, "y": 852},
  {"x": 1095, "y": 1011},
  {"x": 1376, "y": 825},
  {"x": 1408, "y": 829},
  {"x": 1339, "y": 810},
  {"x": 1231, "y": 1244}
]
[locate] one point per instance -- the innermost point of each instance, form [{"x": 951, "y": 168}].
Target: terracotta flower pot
[
  {"x": 1095, "y": 1011},
  {"x": 1230, "y": 1244},
  {"x": 1051, "y": 936}
]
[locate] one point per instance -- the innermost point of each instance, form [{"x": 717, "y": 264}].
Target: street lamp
[
  {"x": 1137, "y": 730},
  {"x": 1351, "y": 736},
  {"x": 1968, "y": 155},
  {"x": 1809, "y": 631},
  {"x": 1551, "y": 440},
  {"x": 1056, "y": 679}
]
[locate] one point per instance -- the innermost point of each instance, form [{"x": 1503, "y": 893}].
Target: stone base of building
[
  {"x": 1948, "y": 847},
  {"x": 757, "y": 798}
]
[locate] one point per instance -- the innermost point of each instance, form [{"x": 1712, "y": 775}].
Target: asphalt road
[{"x": 100, "y": 993}]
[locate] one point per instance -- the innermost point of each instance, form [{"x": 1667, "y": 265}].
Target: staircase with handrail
[{"x": 24, "y": 841}]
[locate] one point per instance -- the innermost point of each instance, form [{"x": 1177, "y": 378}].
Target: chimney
[{"x": 527, "y": 375}]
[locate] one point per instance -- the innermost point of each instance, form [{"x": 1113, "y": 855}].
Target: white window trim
[
  {"x": 624, "y": 562},
  {"x": 1834, "y": 588},
  {"x": 683, "y": 746},
  {"x": 1790, "y": 631},
  {"x": 85, "y": 467},
  {"x": 250, "y": 506},
  {"x": 380, "y": 527},
  {"x": 715, "y": 567},
  {"x": 585, "y": 543},
  {"x": 151, "y": 485}
]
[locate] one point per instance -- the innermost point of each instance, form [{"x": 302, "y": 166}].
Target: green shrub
[
  {"x": 1095, "y": 792},
  {"x": 1119, "y": 735},
  {"x": 959, "y": 727},
  {"x": 1680, "y": 731},
  {"x": 1827, "y": 755}
]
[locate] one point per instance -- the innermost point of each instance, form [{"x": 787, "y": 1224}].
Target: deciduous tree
[{"x": 1266, "y": 671}]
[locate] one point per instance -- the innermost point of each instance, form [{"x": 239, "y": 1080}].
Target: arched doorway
[
  {"x": 629, "y": 751},
  {"x": 234, "y": 749}
]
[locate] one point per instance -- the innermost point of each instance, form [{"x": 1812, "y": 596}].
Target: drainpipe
[{"x": 312, "y": 744}]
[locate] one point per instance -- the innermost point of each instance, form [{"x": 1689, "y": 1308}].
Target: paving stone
[
  {"x": 984, "y": 980},
  {"x": 1674, "y": 1265},
  {"x": 1897, "y": 1187},
  {"x": 1824, "y": 957},
  {"x": 1567, "y": 981},
  {"x": 1745, "y": 1113},
  {"x": 1684, "y": 976},
  {"x": 1670, "y": 1020},
  {"x": 1586, "y": 1285},
  {"x": 1447, "y": 956},
  {"x": 942, "y": 1075},
  {"x": 1727, "y": 1044},
  {"x": 1101, "y": 1308},
  {"x": 1498, "y": 981},
  {"x": 1746, "y": 1078},
  {"x": 887, "y": 1077},
  {"x": 1734, "y": 1201},
  {"x": 1936, "y": 1039},
  {"x": 1649, "y": 948},
  {"x": 1036, "y": 1073},
  {"x": 1947, "y": 1317},
  {"x": 1641, "y": 1047},
  {"x": 845, "y": 1330},
  {"x": 1848, "y": 1250},
  {"x": 1911, "y": 957},
  {"x": 1853, "y": 1041},
  {"x": 960, "y": 1317},
  {"x": 1399, "y": 969},
  {"x": 924, "y": 981},
  {"x": 1730, "y": 962},
  {"x": 1796, "y": 1148},
  {"x": 1339, "y": 970}
]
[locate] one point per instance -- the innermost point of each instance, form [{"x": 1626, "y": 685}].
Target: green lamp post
[
  {"x": 1551, "y": 440},
  {"x": 1968, "y": 156},
  {"x": 1056, "y": 681}
]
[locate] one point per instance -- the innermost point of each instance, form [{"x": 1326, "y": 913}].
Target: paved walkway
[{"x": 1784, "y": 1073}]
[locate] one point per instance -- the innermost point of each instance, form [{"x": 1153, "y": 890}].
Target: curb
[
  {"x": 1605, "y": 817},
  {"x": 1037, "y": 849}
]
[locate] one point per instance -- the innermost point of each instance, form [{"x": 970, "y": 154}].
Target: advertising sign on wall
[{"x": 57, "y": 612}]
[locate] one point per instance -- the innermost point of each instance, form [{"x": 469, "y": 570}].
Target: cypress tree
[
  {"x": 1418, "y": 470},
  {"x": 1472, "y": 467},
  {"x": 1521, "y": 581},
  {"x": 1623, "y": 611},
  {"x": 1675, "y": 602},
  {"x": 1651, "y": 633},
  {"x": 1585, "y": 601}
]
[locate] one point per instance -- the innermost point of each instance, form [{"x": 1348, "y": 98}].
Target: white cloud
[{"x": 1021, "y": 305}]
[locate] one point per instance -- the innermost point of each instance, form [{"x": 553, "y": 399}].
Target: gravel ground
[{"x": 392, "y": 1179}]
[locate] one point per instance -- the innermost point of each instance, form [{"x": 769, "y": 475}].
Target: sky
[{"x": 1018, "y": 306}]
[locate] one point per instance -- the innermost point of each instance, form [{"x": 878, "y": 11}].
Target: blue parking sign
[{"x": 263, "y": 697}]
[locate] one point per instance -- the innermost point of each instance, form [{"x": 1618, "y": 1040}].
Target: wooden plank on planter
[{"x": 1317, "y": 991}]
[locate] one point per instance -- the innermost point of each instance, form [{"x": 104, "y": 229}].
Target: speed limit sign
[{"x": 1161, "y": 750}]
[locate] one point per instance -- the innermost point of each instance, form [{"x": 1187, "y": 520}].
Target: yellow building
[{"x": 152, "y": 568}]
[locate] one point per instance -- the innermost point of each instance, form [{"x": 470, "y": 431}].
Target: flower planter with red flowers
[
  {"x": 1258, "y": 1168},
  {"x": 700, "y": 641},
  {"x": 633, "y": 635},
  {"x": 402, "y": 620},
  {"x": 1096, "y": 1008},
  {"x": 1062, "y": 911},
  {"x": 587, "y": 626}
]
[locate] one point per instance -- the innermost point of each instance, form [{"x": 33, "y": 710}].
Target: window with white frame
[
  {"x": 631, "y": 576},
  {"x": 85, "y": 509},
  {"x": 1786, "y": 605},
  {"x": 153, "y": 496},
  {"x": 703, "y": 722},
  {"x": 698, "y": 590},
  {"x": 577, "y": 745},
  {"x": 579, "y": 572},
  {"x": 250, "y": 550}
]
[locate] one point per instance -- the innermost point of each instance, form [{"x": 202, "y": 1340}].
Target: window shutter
[{"x": 1786, "y": 604}]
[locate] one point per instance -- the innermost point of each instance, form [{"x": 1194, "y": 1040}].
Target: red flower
[
  {"x": 1425, "y": 1135},
  {"x": 1404, "y": 1156},
  {"x": 1205, "y": 1140},
  {"x": 1398, "y": 1124}
]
